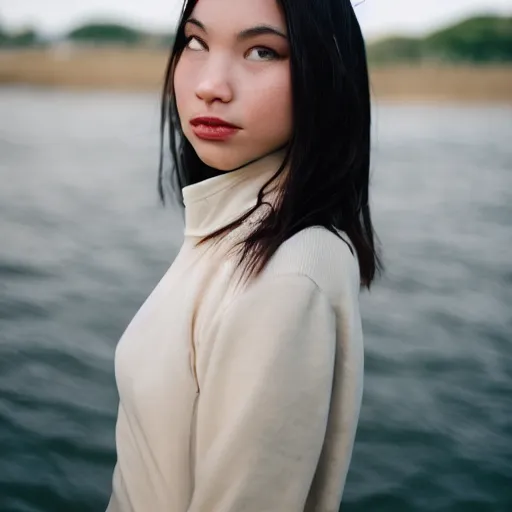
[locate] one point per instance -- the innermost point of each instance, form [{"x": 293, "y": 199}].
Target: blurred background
[{"x": 83, "y": 241}]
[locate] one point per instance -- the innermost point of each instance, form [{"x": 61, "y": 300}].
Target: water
[{"x": 83, "y": 241}]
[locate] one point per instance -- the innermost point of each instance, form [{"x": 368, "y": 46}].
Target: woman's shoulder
[{"x": 329, "y": 259}]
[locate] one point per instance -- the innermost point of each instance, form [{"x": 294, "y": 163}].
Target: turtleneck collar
[{"x": 215, "y": 202}]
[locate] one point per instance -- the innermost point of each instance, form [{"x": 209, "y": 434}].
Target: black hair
[{"x": 328, "y": 180}]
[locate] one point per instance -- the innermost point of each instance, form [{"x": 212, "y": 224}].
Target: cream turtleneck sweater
[{"x": 241, "y": 399}]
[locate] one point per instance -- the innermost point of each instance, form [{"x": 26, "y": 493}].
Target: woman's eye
[
  {"x": 262, "y": 53},
  {"x": 195, "y": 44}
]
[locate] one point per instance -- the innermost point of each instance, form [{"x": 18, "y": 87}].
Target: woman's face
[{"x": 235, "y": 67}]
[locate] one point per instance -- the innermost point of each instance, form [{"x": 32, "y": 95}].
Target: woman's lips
[{"x": 213, "y": 128}]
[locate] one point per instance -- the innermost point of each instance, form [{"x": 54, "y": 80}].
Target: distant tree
[
  {"x": 479, "y": 39},
  {"x": 4, "y": 37},
  {"x": 22, "y": 38},
  {"x": 395, "y": 48},
  {"x": 26, "y": 37},
  {"x": 105, "y": 33}
]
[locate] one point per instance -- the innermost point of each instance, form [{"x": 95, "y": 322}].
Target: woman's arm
[{"x": 264, "y": 400}]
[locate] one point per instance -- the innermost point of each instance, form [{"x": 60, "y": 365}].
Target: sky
[{"x": 377, "y": 17}]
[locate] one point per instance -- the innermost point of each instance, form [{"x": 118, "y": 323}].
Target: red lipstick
[{"x": 213, "y": 128}]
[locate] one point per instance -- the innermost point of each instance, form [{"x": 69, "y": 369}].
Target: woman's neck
[{"x": 218, "y": 200}]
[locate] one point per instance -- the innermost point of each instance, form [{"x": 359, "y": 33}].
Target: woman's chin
[{"x": 221, "y": 159}]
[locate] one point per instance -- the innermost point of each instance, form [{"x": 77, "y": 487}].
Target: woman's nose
[{"x": 215, "y": 86}]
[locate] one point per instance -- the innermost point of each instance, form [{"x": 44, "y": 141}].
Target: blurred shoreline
[{"x": 143, "y": 69}]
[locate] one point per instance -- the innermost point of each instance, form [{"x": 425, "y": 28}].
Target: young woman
[{"x": 240, "y": 377}]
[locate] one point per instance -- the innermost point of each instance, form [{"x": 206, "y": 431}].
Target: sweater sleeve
[{"x": 264, "y": 402}]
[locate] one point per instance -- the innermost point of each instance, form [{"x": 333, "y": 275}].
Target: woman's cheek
[
  {"x": 272, "y": 108},
  {"x": 181, "y": 86}
]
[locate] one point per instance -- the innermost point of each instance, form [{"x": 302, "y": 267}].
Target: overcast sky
[{"x": 377, "y": 17}]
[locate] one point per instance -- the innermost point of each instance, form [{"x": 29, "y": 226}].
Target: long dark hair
[{"x": 328, "y": 180}]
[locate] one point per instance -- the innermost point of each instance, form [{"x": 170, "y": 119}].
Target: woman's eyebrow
[
  {"x": 258, "y": 30},
  {"x": 197, "y": 23}
]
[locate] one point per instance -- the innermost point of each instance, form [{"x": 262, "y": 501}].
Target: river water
[{"x": 83, "y": 241}]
